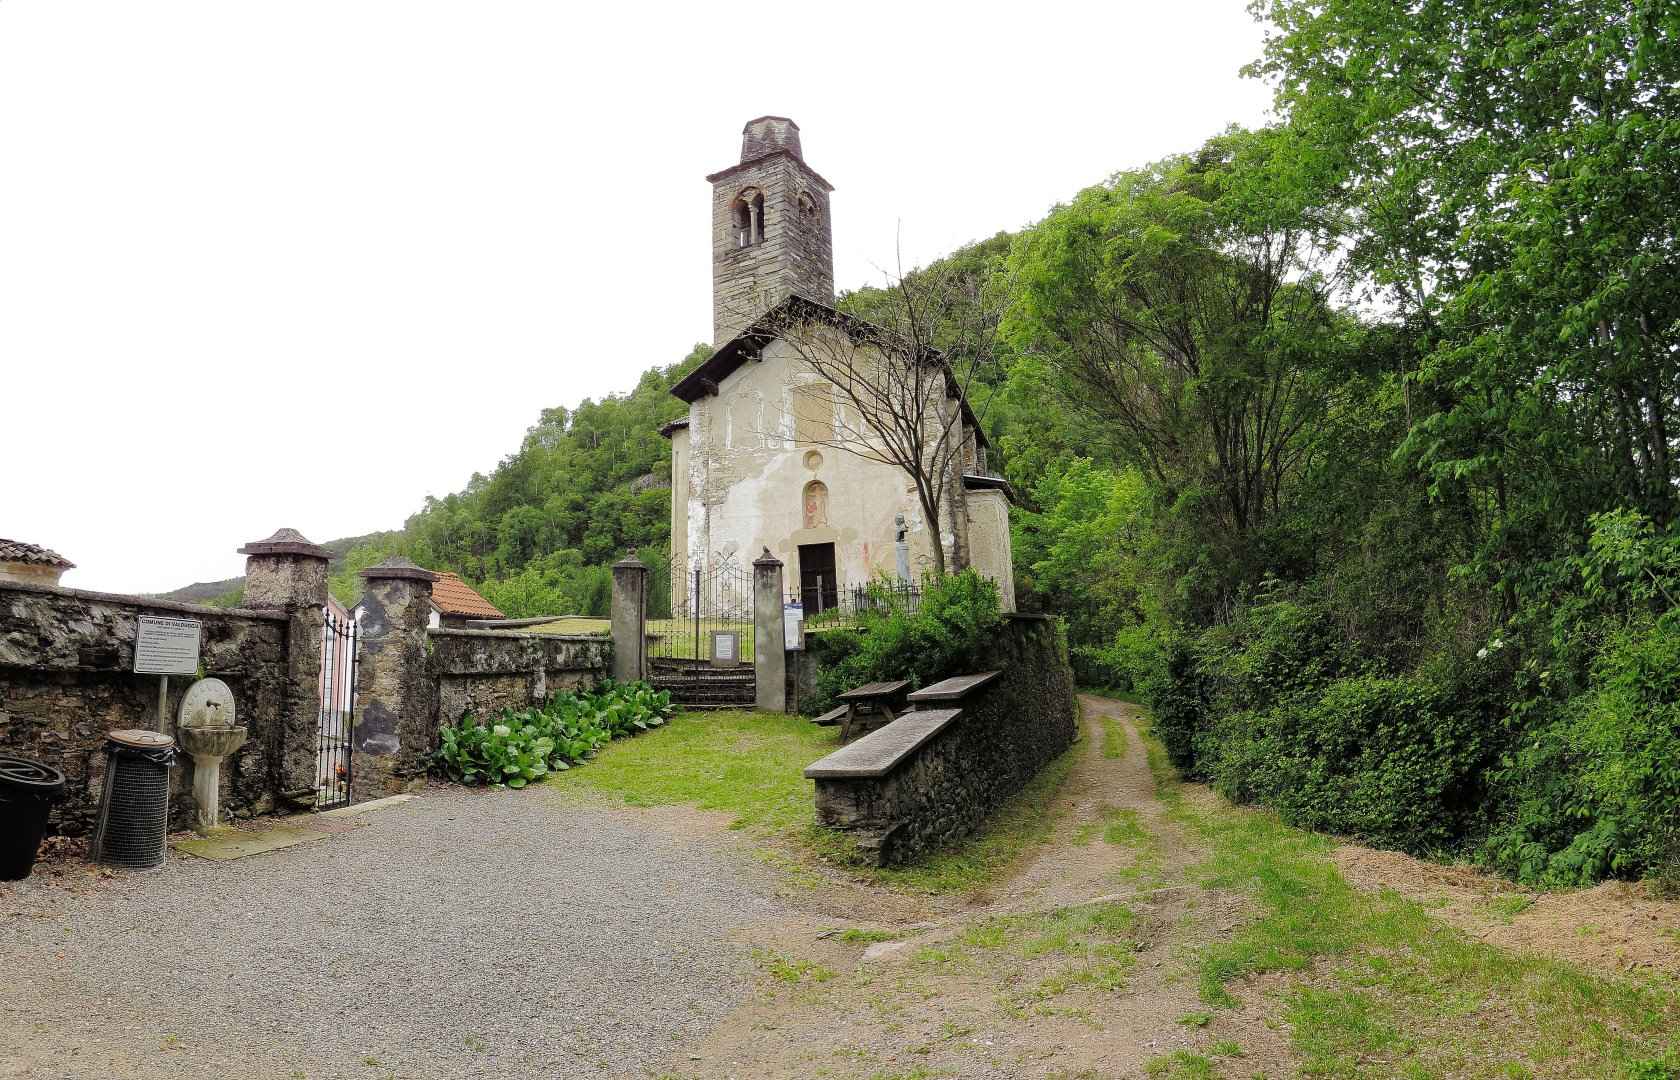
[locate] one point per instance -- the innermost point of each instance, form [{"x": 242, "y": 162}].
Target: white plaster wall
[
  {"x": 679, "y": 496},
  {"x": 991, "y": 550},
  {"x": 746, "y": 480},
  {"x": 739, "y": 476},
  {"x": 30, "y": 573}
]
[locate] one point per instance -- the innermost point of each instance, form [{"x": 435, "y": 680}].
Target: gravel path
[{"x": 461, "y": 934}]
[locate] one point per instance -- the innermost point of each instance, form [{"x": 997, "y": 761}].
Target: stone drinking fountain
[{"x": 205, "y": 729}]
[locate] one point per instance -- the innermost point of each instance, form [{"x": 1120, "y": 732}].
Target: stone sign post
[
  {"x": 629, "y": 619},
  {"x": 769, "y": 660}
]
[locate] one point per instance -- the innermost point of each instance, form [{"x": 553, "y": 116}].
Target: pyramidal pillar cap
[
  {"x": 396, "y": 566},
  {"x": 286, "y": 542}
]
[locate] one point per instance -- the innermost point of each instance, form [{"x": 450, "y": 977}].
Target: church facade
[{"x": 767, "y": 457}]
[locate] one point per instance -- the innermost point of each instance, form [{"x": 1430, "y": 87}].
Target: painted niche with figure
[{"x": 816, "y": 504}]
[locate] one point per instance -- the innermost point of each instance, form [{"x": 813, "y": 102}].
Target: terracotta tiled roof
[
  {"x": 17, "y": 551},
  {"x": 455, "y": 597}
]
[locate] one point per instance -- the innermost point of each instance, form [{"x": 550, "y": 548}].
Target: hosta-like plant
[{"x": 524, "y": 745}]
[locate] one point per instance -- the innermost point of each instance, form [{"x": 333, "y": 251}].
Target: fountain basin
[{"x": 211, "y": 742}]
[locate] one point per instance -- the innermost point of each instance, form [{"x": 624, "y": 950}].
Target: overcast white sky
[{"x": 304, "y": 263}]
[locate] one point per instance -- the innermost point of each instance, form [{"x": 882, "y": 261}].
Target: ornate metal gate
[
  {"x": 703, "y": 651},
  {"x": 339, "y": 665}
]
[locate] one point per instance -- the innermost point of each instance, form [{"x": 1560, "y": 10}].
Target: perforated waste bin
[
  {"x": 27, "y": 791},
  {"x": 134, "y": 811}
]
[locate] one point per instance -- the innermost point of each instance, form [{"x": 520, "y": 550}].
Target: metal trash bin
[
  {"x": 27, "y": 791},
  {"x": 133, "y": 826}
]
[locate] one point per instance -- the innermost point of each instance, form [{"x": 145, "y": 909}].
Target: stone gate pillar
[
  {"x": 769, "y": 660},
  {"x": 396, "y": 714},
  {"x": 288, "y": 573},
  {"x": 629, "y": 619}
]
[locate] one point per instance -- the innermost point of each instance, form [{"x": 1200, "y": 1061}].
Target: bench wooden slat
[
  {"x": 832, "y": 716},
  {"x": 870, "y": 691},
  {"x": 953, "y": 689}
]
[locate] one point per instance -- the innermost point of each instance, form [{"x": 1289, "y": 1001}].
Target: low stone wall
[
  {"x": 485, "y": 671},
  {"x": 414, "y": 681},
  {"x": 932, "y": 776},
  {"x": 66, "y": 660}
]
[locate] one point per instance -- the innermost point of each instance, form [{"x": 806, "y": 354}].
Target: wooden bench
[
  {"x": 871, "y": 706},
  {"x": 832, "y": 716},
  {"x": 949, "y": 693}
]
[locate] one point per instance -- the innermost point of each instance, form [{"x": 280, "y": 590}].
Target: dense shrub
[
  {"x": 946, "y": 634},
  {"x": 522, "y": 745},
  {"x": 1595, "y": 788},
  {"x": 1398, "y": 761}
]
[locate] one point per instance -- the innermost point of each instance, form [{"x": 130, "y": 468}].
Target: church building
[{"x": 768, "y": 456}]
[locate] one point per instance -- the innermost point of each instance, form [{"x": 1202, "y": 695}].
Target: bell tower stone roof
[{"x": 772, "y": 235}]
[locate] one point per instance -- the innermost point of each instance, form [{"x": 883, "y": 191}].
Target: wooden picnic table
[{"x": 871, "y": 706}]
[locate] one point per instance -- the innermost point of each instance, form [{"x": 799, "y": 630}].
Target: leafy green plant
[
  {"x": 945, "y": 635},
  {"x": 524, "y": 745}
]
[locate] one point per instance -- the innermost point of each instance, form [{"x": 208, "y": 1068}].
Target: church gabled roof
[{"x": 749, "y": 343}]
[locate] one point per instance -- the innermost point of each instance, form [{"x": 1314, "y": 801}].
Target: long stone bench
[
  {"x": 883, "y": 750},
  {"x": 968, "y": 745}
]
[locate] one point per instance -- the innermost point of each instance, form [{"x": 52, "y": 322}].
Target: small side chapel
[{"x": 756, "y": 463}]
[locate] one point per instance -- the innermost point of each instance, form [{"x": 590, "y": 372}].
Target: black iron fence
[
  {"x": 824, "y": 605},
  {"x": 711, "y": 617}
]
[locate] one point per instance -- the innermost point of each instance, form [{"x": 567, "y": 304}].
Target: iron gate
[
  {"x": 703, "y": 650},
  {"x": 339, "y": 664}
]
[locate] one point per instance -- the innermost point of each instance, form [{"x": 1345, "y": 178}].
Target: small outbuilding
[{"x": 31, "y": 564}]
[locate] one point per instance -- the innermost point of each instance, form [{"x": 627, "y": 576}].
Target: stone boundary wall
[
  {"x": 66, "y": 678},
  {"x": 416, "y": 680},
  {"x": 906, "y": 792},
  {"x": 485, "y": 671}
]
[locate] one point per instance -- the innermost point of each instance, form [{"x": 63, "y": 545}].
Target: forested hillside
[
  {"x": 538, "y": 534},
  {"x": 1346, "y": 443},
  {"x": 1373, "y": 490}
]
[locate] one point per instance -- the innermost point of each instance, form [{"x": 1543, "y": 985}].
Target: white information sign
[
  {"x": 793, "y": 625},
  {"x": 726, "y": 648},
  {"x": 167, "y": 646}
]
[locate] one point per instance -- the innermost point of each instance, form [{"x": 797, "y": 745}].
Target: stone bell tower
[{"x": 771, "y": 231}]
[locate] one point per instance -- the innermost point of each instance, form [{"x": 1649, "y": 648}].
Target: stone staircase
[{"x": 700, "y": 686}]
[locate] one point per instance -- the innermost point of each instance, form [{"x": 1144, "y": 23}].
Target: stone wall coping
[
  {"x": 513, "y": 635},
  {"x": 141, "y": 601},
  {"x": 515, "y": 624},
  {"x": 955, "y": 688},
  {"x": 884, "y": 749}
]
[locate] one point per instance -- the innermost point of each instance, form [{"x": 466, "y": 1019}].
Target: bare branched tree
[{"x": 897, "y": 383}]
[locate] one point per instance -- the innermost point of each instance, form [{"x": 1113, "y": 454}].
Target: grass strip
[{"x": 1386, "y": 989}]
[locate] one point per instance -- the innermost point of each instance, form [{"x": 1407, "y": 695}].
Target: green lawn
[
  {"x": 751, "y": 766},
  {"x": 574, "y": 624}
]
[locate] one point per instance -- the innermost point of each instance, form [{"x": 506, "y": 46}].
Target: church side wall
[
  {"x": 679, "y": 495},
  {"x": 990, "y": 549}
]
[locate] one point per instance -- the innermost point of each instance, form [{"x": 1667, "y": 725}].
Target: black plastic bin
[{"x": 27, "y": 791}]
